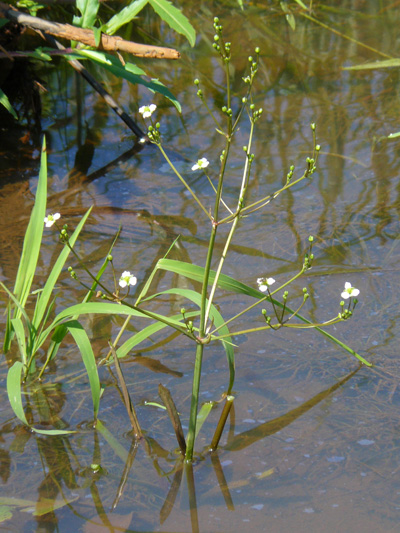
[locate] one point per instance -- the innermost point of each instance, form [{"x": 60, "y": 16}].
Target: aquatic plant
[{"x": 202, "y": 326}]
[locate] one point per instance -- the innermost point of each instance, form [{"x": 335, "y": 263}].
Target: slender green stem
[
  {"x": 194, "y": 403},
  {"x": 243, "y": 188},
  {"x": 293, "y": 326},
  {"x": 183, "y": 181}
]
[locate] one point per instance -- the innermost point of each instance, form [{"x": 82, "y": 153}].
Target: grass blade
[
  {"x": 216, "y": 316},
  {"x": 202, "y": 415},
  {"x": 6, "y": 103},
  {"x": 124, "y": 16},
  {"x": 175, "y": 19},
  {"x": 195, "y": 273},
  {"x": 45, "y": 295},
  {"x": 129, "y": 72},
  {"x": 14, "y": 377},
  {"x": 83, "y": 343},
  {"x": 33, "y": 236}
]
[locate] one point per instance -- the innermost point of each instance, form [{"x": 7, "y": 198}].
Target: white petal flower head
[
  {"x": 50, "y": 219},
  {"x": 127, "y": 279},
  {"x": 264, "y": 283},
  {"x": 349, "y": 291},
  {"x": 147, "y": 110},
  {"x": 201, "y": 163}
]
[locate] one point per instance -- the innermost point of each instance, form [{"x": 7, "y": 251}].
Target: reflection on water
[{"x": 312, "y": 440}]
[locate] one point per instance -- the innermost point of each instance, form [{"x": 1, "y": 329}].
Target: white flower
[
  {"x": 349, "y": 291},
  {"x": 264, "y": 283},
  {"x": 201, "y": 163},
  {"x": 127, "y": 279},
  {"x": 147, "y": 110},
  {"x": 50, "y": 219}
]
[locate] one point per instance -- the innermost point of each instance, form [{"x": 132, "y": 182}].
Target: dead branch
[{"x": 84, "y": 36}]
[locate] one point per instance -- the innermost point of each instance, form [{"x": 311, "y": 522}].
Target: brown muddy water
[{"x": 313, "y": 441}]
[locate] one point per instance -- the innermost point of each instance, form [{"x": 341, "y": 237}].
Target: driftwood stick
[
  {"x": 100, "y": 89},
  {"x": 107, "y": 42}
]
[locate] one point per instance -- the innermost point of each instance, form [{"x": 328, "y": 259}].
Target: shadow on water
[{"x": 292, "y": 457}]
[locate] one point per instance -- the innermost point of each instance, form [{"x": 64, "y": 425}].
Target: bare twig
[{"x": 107, "y": 42}]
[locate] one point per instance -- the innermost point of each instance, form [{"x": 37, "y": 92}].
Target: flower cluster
[
  {"x": 264, "y": 283},
  {"x": 50, "y": 219},
  {"x": 147, "y": 110},
  {"x": 127, "y": 279},
  {"x": 201, "y": 163}
]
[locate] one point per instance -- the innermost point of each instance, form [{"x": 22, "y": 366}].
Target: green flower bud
[
  {"x": 257, "y": 50},
  {"x": 196, "y": 81},
  {"x": 110, "y": 257},
  {"x": 312, "y": 126}
]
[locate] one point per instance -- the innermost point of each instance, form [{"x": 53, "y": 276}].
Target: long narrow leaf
[
  {"x": 196, "y": 273},
  {"x": 124, "y": 16},
  {"x": 202, "y": 415},
  {"x": 216, "y": 316},
  {"x": 129, "y": 72},
  {"x": 45, "y": 295},
  {"x": 33, "y": 236},
  {"x": 19, "y": 330},
  {"x": 83, "y": 343},
  {"x": 14, "y": 377},
  {"x": 105, "y": 308},
  {"x": 175, "y": 19},
  {"x": 6, "y": 103},
  {"x": 146, "y": 333},
  {"x": 88, "y": 9}
]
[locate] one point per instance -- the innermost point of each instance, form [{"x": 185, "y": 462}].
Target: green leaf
[
  {"x": 6, "y": 103},
  {"x": 112, "y": 441},
  {"x": 205, "y": 410},
  {"x": 146, "y": 333},
  {"x": 83, "y": 343},
  {"x": 18, "y": 328},
  {"x": 196, "y": 273},
  {"x": 44, "y": 297},
  {"x": 88, "y": 9},
  {"x": 106, "y": 308},
  {"x": 14, "y": 391},
  {"x": 218, "y": 321},
  {"x": 129, "y": 72},
  {"x": 385, "y": 63},
  {"x": 124, "y": 16},
  {"x": 33, "y": 236},
  {"x": 175, "y": 19},
  {"x": 301, "y": 4},
  {"x": 15, "y": 397}
]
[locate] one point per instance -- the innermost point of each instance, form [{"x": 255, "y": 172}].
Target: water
[{"x": 312, "y": 443}]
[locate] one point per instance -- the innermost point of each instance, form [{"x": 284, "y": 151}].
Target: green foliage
[
  {"x": 175, "y": 19},
  {"x": 6, "y": 103},
  {"x": 88, "y": 10},
  {"x": 129, "y": 72}
]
